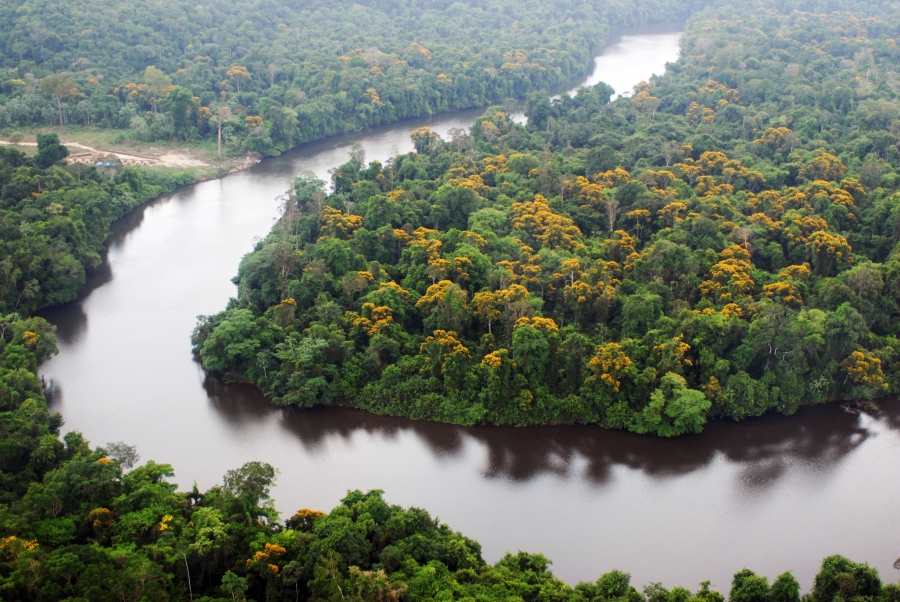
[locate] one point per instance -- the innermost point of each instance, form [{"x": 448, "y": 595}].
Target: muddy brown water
[{"x": 772, "y": 494}]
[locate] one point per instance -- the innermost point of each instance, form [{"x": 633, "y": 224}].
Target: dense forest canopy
[
  {"x": 83, "y": 523},
  {"x": 54, "y": 219},
  {"x": 275, "y": 74},
  {"x": 722, "y": 244}
]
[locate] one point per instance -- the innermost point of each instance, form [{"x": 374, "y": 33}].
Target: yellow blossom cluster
[
  {"x": 546, "y": 325},
  {"x": 336, "y": 223},
  {"x": 13, "y": 546},
  {"x": 608, "y": 365},
  {"x": 374, "y": 319},
  {"x": 730, "y": 276},
  {"x": 551, "y": 229},
  {"x": 420, "y": 50},
  {"x": 864, "y": 369},
  {"x": 100, "y": 517},
  {"x": 673, "y": 353},
  {"x": 442, "y": 344}
]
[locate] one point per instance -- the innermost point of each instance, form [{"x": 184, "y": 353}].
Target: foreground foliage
[
  {"x": 721, "y": 244},
  {"x": 54, "y": 219}
]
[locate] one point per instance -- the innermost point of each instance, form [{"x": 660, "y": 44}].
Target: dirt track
[{"x": 93, "y": 155}]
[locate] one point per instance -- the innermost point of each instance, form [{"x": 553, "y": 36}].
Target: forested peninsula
[{"x": 721, "y": 244}]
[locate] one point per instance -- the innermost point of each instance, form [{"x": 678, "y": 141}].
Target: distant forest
[{"x": 276, "y": 74}]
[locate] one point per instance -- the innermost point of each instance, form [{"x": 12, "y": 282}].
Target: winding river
[{"x": 771, "y": 494}]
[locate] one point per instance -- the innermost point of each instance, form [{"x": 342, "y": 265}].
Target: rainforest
[
  {"x": 706, "y": 248},
  {"x": 269, "y": 76},
  {"x": 719, "y": 243}
]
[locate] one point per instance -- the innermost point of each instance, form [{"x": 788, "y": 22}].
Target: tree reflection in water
[{"x": 817, "y": 438}]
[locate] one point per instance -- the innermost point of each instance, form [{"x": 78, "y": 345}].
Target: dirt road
[{"x": 93, "y": 155}]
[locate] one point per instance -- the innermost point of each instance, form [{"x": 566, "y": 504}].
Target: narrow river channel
[{"x": 771, "y": 494}]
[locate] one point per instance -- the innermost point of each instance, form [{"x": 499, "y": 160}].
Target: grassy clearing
[{"x": 175, "y": 154}]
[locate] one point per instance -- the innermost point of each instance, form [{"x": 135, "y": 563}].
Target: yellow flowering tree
[
  {"x": 864, "y": 375},
  {"x": 609, "y": 365},
  {"x": 445, "y": 304}
]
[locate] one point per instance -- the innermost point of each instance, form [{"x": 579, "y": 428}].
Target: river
[{"x": 772, "y": 493}]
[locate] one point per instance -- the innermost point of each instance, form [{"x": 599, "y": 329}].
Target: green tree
[
  {"x": 61, "y": 87},
  {"x": 233, "y": 340},
  {"x": 179, "y": 103},
  {"x": 841, "y": 578},
  {"x": 234, "y": 586},
  {"x": 640, "y": 312},
  {"x": 531, "y": 351},
  {"x": 674, "y": 409},
  {"x": 785, "y": 588},
  {"x": 251, "y": 482},
  {"x": 157, "y": 82},
  {"x": 747, "y": 586},
  {"x": 454, "y": 204},
  {"x": 50, "y": 151}
]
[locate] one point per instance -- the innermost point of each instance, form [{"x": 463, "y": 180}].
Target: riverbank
[
  {"x": 88, "y": 145},
  {"x": 736, "y": 495}
]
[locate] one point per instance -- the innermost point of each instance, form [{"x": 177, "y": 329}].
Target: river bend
[{"x": 771, "y": 494}]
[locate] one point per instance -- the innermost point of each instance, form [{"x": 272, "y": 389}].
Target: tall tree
[
  {"x": 157, "y": 82},
  {"x": 61, "y": 87},
  {"x": 238, "y": 74},
  {"x": 223, "y": 113}
]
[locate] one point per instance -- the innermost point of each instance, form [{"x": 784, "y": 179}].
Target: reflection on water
[
  {"x": 763, "y": 447},
  {"x": 70, "y": 320},
  {"x": 772, "y": 493},
  {"x": 646, "y": 55}
]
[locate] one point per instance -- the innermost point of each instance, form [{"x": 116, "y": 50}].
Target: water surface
[
  {"x": 773, "y": 493},
  {"x": 646, "y": 54}
]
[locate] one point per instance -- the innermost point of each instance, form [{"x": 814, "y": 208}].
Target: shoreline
[
  {"x": 176, "y": 160},
  {"x": 853, "y": 408}
]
